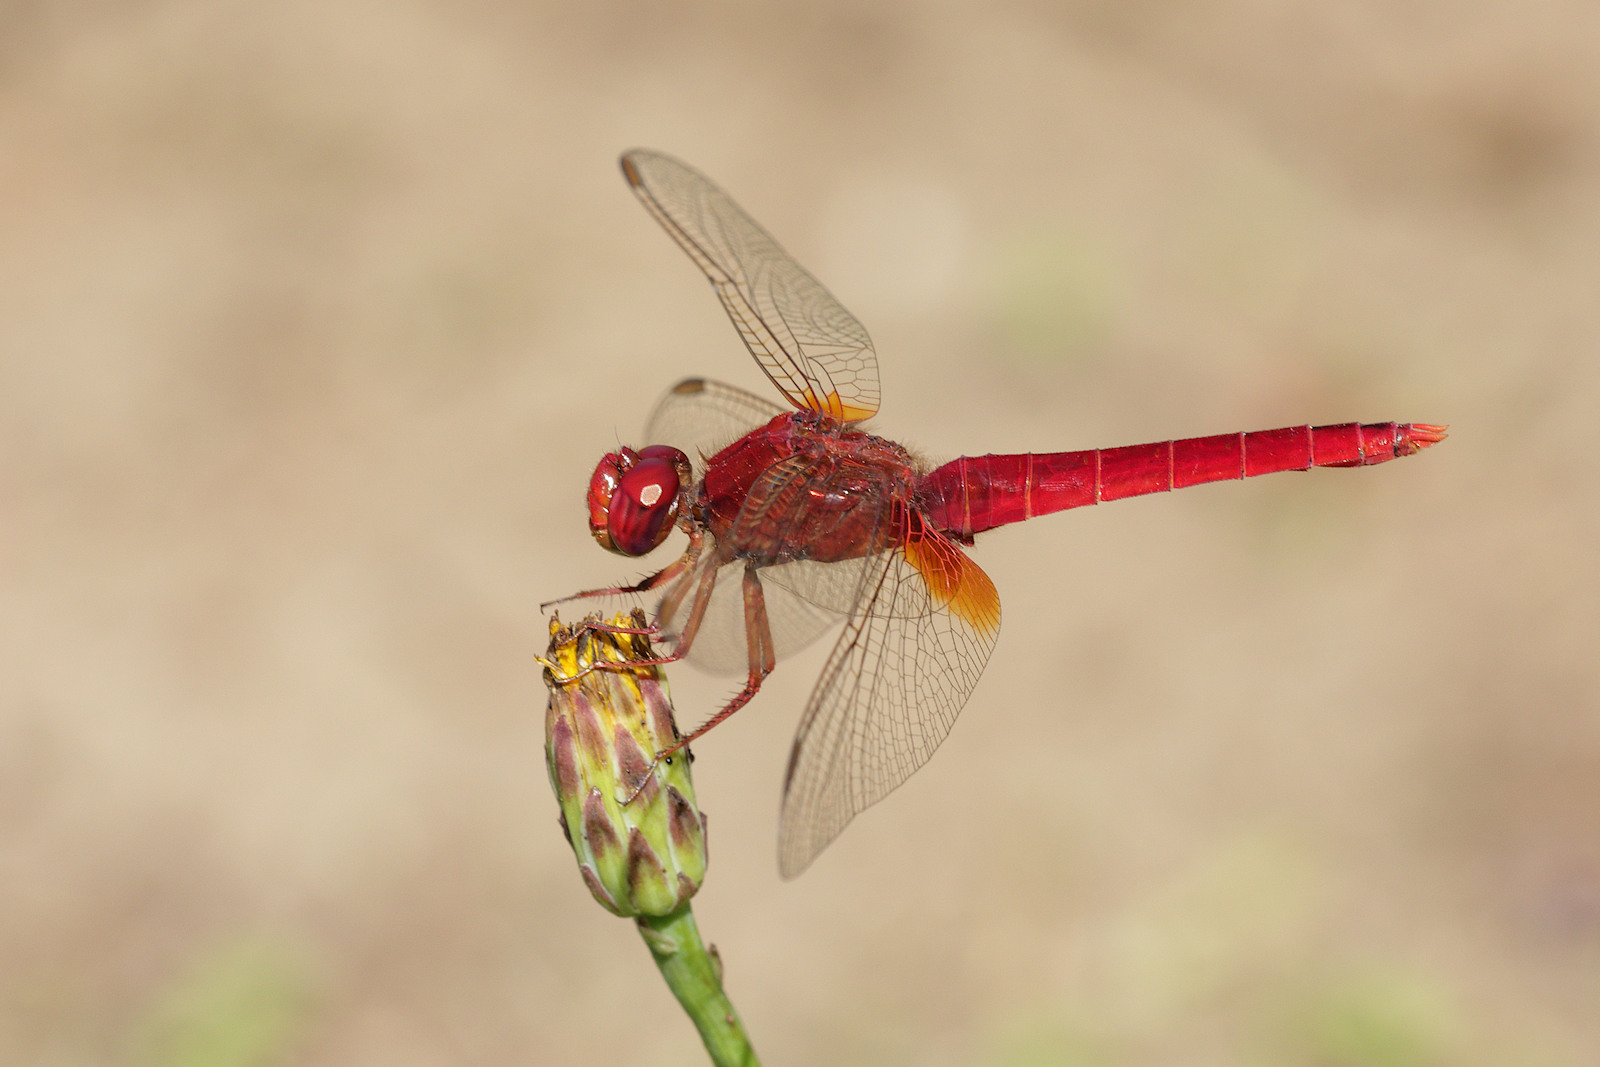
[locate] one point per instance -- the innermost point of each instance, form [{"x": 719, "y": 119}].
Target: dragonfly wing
[
  {"x": 832, "y": 587},
  {"x": 700, "y": 417},
  {"x": 905, "y": 664},
  {"x": 816, "y": 353},
  {"x": 722, "y": 645}
]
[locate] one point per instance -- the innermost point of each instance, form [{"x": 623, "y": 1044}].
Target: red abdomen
[{"x": 972, "y": 494}]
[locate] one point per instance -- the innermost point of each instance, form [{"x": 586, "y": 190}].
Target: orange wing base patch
[
  {"x": 833, "y": 406},
  {"x": 956, "y": 582}
]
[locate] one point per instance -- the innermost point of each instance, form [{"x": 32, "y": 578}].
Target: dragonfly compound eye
[
  {"x": 643, "y": 503},
  {"x": 602, "y": 487}
]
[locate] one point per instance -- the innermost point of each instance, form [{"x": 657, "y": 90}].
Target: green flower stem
[{"x": 695, "y": 978}]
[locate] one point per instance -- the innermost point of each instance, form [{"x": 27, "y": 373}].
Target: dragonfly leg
[
  {"x": 702, "y": 586},
  {"x": 655, "y": 581},
  {"x": 758, "y": 631},
  {"x": 665, "y": 574},
  {"x": 644, "y": 629},
  {"x": 672, "y": 600}
]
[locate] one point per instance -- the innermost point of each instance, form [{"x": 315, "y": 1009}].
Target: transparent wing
[
  {"x": 814, "y": 351},
  {"x": 723, "y": 646},
  {"x": 831, "y": 587},
  {"x": 905, "y": 664},
  {"x": 701, "y": 417}
]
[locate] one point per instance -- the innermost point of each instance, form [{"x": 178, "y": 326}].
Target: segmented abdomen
[{"x": 976, "y": 493}]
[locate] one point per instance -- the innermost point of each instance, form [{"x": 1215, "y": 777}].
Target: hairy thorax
[{"x": 805, "y": 487}]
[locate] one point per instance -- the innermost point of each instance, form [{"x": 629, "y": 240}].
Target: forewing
[
  {"x": 814, "y": 351},
  {"x": 905, "y": 664},
  {"x": 700, "y": 417}
]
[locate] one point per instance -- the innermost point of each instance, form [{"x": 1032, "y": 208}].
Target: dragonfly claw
[{"x": 644, "y": 780}]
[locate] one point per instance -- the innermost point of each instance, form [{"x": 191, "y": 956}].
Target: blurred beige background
[{"x": 314, "y": 318}]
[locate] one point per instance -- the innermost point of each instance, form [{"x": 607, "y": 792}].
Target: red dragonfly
[{"x": 798, "y": 519}]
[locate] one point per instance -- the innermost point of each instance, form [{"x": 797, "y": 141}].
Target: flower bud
[{"x": 639, "y": 839}]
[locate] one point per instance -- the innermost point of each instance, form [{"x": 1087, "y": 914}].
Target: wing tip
[
  {"x": 790, "y": 869},
  {"x": 796, "y": 857},
  {"x": 630, "y": 169}
]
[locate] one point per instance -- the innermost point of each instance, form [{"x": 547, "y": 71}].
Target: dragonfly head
[{"x": 635, "y": 498}]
